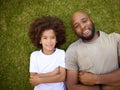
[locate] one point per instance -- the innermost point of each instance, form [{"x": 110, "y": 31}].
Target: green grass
[{"x": 15, "y": 18}]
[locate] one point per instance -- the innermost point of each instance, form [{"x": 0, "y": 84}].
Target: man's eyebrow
[
  {"x": 75, "y": 24},
  {"x": 82, "y": 18}
]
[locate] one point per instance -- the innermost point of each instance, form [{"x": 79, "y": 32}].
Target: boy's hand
[{"x": 34, "y": 80}]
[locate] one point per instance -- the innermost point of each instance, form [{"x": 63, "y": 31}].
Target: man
[{"x": 92, "y": 62}]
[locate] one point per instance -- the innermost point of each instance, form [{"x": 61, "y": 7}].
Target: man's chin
[{"x": 87, "y": 38}]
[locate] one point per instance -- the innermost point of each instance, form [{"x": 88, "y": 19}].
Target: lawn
[{"x": 15, "y": 18}]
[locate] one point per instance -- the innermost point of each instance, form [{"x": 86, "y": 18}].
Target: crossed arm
[
  {"x": 88, "y": 81},
  {"x": 73, "y": 83},
  {"x": 58, "y": 75},
  {"x": 111, "y": 78}
]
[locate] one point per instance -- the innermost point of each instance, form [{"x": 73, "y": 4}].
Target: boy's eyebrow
[{"x": 43, "y": 36}]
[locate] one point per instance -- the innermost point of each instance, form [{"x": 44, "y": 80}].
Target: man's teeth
[{"x": 86, "y": 31}]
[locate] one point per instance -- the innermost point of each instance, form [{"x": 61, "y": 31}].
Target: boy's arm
[
  {"x": 54, "y": 72},
  {"x": 59, "y": 77},
  {"x": 35, "y": 82},
  {"x": 55, "y": 78}
]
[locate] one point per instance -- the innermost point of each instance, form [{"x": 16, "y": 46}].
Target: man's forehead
[{"x": 79, "y": 15}]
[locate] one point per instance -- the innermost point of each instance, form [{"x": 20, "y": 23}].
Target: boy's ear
[{"x": 40, "y": 42}]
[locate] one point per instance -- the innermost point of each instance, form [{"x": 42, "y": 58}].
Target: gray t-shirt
[{"x": 98, "y": 57}]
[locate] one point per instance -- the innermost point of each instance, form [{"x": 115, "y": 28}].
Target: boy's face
[{"x": 48, "y": 41}]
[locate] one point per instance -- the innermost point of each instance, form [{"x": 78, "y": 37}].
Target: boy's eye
[
  {"x": 53, "y": 37},
  {"x": 44, "y": 38}
]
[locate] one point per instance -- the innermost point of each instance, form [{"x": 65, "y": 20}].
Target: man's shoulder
[
  {"x": 75, "y": 43},
  {"x": 115, "y": 36},
  {"x": 112, "y": 36},
  {"x": 73, "y": 46}
]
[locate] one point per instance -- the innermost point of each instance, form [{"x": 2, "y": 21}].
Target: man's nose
[{"x": 82, "y": 26}]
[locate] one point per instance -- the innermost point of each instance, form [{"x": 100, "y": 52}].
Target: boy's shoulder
[
  {"x": 60, "y": 50},
  {"x": 35, "y": 52}
]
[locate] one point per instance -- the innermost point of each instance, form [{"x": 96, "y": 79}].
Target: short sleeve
[
  {"x": 33, "y": 63},
  {"x": 119, "y": 48},
  {"x": 117, "y": 37},
  {"x": 62, "y": 59},
  {"x": 71, "y": 59}
]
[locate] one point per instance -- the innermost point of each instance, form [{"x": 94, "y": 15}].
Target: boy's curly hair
[{"x": 39, "y": 25}]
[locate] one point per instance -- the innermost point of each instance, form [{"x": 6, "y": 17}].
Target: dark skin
[
  {"x": 76, "y": 80},
  {"x": 105, "y": 79}
]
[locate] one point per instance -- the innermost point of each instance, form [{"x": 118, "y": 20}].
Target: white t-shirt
[{"x": 41, "y": 63}]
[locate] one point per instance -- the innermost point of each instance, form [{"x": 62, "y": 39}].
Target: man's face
[{"x": 83, "y": 26}]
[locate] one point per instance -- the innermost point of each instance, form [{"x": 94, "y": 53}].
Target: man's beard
[{"x": 90, "y": 36}]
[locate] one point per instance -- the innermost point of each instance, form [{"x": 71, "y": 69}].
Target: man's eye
[
  {"x": 75, "y": 26},
  {"x": 85, "y": 20}
]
